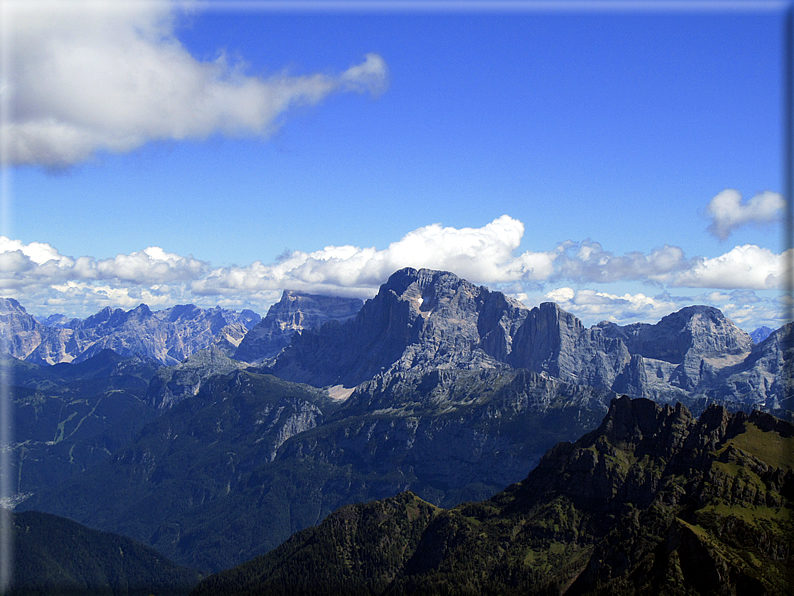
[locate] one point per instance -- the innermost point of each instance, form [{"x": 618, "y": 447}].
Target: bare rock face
[
  {"x": 762, "y": 379},
  {"x": 295, "y": 312},
  {"x": 229, "y": 338},
  {"x": 423, "y": 320},
  {"x": 554, "y": 341},
  {"x": 20, "y": 333},
  {"x": 419, "y": 320},
  {"x": 686, "y": 348}
]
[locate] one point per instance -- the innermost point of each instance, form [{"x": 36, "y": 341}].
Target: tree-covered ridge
[
  {"x": 359, "y": 549},
  {"x": 54, "y": 556},
  {"x": 188, "y": 458},
  {"x": 652, "y": 502}
]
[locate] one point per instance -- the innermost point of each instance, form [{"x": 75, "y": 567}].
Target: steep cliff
[
  {"x": 419, "y": 320},
  {"x": 295, "y": 312},
  {"x": 425, "y": 320}
]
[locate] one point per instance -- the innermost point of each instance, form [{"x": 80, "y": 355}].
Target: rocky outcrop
[
  {"x": 554, "y": 341},
  {"x": 295, "y": 312},
  {"x": 20, "y": 333},
  {"x": 761, "y": 334},
  {"x": 685, "y": 348},
  {"x": 169, "y": 336},
  {"x": 763, "y": 379}
]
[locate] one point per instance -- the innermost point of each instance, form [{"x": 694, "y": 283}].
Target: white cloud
[
  {"x": 478, "y": 254},
  {"x": 727, "y": 212},
  {"x": 87, "y": 77},
  {"x": 587, "y": 261},
  {"x": 152, "y": 265},
  {"x": 746, "y": 309},
  {"x": 37, "y": 253},
  {"x": 39, "y": 265},
  {"x": 39, "y": 273},
  {"x": 748, "y": 266},
  {"x": 592, "y": 306}
]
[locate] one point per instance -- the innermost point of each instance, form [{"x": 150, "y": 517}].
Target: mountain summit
[
  {"x": 169, "y": 336},
  {"x": 295, "y": 312},
  {"x": 424, "y": 320},
  {"x": 420, "y": 319}
]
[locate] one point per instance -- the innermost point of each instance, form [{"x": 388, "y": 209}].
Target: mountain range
[
  {"x": 427, "y": 320},
  {"x": 168, "y": 336},
  {"x": 435, "y": 386}
]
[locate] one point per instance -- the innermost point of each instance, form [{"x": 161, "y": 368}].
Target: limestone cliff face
[
  {"x": 687, "y": 347},
  {"x": 20, "y": 333},
  {"x": 423, "y": 320},
  {"x": 169, "y": 336},
  {"x": 295, "y": 312},
  {"x": 419, "y": 320},
  {"x": 554, "y": 341},
  {"x": 763, "y": 378}
]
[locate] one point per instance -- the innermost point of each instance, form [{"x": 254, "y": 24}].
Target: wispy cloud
[
  {"x": 111, "y": 76},
  {"x": 727, "y": 211}
]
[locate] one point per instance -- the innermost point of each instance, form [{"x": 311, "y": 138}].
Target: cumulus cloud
[
  {"x": 27, "y": 266},
  {"x": 748, "y": 266},
  {"x": 592, "y": 306},
  {"x": 478, "y": 254},
  {"x": 746, "y": 309},
  {"x": 38, "y": 272},
  {"x": 86, "y": 77},
  {"x": 587, "y": 261},
  {"x": 727, "y": 212}
]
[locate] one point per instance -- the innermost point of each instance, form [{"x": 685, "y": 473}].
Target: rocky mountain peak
[
  {"x": 638, "y": 421},
  {"x": 9, "y": 305},
  {"x": 168, "y": 336},
  {"x": 182, "y": 312},
  {"x": 694, "y": 331},
  {"x": 295, "y": 312},
  {"x": 423, "y": 319},
  {"x": 100, "y": 317},
  {"x": 710, "y": 331},
  {"x": 420, "y": 319},
  {"x": 427, "y": 290}
]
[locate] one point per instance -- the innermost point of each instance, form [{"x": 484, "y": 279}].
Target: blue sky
[{"x": 624, "y": 163}]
